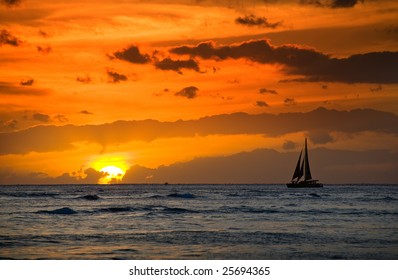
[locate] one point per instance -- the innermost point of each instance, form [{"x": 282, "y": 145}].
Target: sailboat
[{"x": 303, "y": 172}]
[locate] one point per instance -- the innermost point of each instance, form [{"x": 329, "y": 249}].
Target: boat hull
[{"x": 304, "y": 185}]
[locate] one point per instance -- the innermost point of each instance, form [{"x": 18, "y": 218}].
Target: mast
[
  {"x": 307, "y": 171},
  {"x": 298, "y": 172}
]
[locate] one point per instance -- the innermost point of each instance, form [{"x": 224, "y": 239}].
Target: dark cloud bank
[
  {"x": 270, "y": 166},
  {"x": 90, "y": 176},
  {"x": 375, "y": 67},
  {"x": 61, "y": 138}
]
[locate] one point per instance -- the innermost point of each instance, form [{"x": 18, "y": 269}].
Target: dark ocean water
[{"x": 198, "y": 222}]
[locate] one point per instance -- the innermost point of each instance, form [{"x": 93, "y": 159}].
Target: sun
[{"x": 112, "y": 174}]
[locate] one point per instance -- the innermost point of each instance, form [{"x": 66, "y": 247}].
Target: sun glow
[
  {"x": 113, "y": 166},
  {"x": 112, "y": 174}
]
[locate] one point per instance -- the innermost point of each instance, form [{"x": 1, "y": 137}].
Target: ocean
[{"x": 198, "y": 222}]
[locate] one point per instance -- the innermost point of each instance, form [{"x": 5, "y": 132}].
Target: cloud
[
  {"x": 27, "y": 82},
  {"x": 85, "y": 112},
  {"x": 320, "y": 136},
  {"x": 116, "y": 77},
  {"x": 60, "y": 118},
  {"x": 188, "y": 92},
  {"x": 10, "y": 124},
  {"x": 7, "y": 39},
  {"x": 265, "y": 90},
  {"x": 41, "y": 117},
  {"x": 261, "y": 104},
  {"x": 132, "y": 54},
  {"x": 335, "y": 4},
  {"x": 84, "y": 79},
  {"x": 376, "y": 89},
  {"x": 289, "y": 102},
  {"x": 177, "y": 65},
  {"x": 289, "y": 145},
  {"x": 11, "y": 89},
  {"x": 44, "y": 50},
  {"x": 43, "y": 34},
  {"x": 375, "y": 67},
  {"x": 252, "y": 20},
  {"x": 10, "y": 3},
  {"x": 61, "y": 138}
]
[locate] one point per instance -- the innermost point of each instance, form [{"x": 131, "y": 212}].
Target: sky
[{"x": 197, "y": 91}]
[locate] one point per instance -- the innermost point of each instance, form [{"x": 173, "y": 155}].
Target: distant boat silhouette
[{"x": 303, "y": 171}]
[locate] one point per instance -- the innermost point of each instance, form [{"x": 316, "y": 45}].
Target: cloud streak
[
  {"x": 375, "y": 67},
  {"x": 23, "y": 89},
  {"x": 252, "y": 20}
]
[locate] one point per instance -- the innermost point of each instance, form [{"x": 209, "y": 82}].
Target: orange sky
[{"x": 71, "y": 64}]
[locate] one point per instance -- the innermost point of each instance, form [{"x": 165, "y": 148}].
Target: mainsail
[
  {"x": 298, "y": 172},
  {"x": 307, "y": 171}
]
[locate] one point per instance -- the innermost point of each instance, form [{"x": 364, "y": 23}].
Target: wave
[
  {"x": 245, "y": 209},
  {"x": 174, "y": 195},
  {"x": 176, "y": 210},
  {"x": 89, "y": 197},
  {"x": 150, "y": 209},
  {"x": 28, "y": 194},
  {"x": 116, "y": 209},
  {"x": 184, "y": 195},
  {"x": 389, "y": 198},
  {"x": 60, "y": 211}
]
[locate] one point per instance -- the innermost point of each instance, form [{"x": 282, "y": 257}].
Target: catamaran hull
[{"x": 304, "y": 185}]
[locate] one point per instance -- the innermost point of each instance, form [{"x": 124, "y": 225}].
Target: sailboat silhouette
[{"x": 303, "y": 171}]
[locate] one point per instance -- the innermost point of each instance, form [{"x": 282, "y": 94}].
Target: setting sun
[{"x": 112, "y": 173}]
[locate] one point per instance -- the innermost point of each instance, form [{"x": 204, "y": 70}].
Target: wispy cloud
[
  {"x": 61, "y": 118},
  {"x": 27, "y": 82},
  {"x": 44, "y": 50},
  {"x": 267, "y": 91},
  {"x": 85, "y": 112},
  {"x": 261, "y": 104},
  {"x": 41, "y": 117},
  {"x": 6, "y": 38},
  {"x": 86, "y": 79},
  {"x": 116, "y": 77},
  {"x": 289, "y": 102},
  {"x": 188, "y": 92},
  {"x": 252, "y": 20}
]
